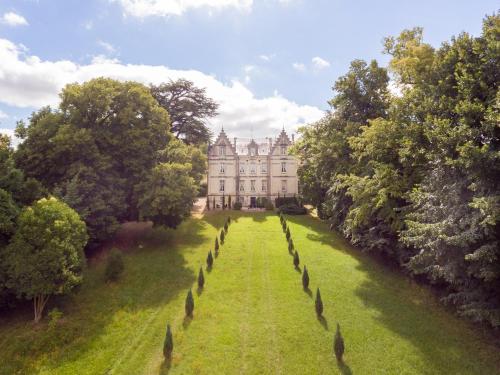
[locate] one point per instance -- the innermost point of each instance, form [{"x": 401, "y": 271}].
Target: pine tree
[
  {"x": 229, "y": 219},
  {"x": 222, "y": 237},
  {"x": 284, "y": 226},
  {"x": 201, "y": 279},
  {"x": 210, "y": 259},
  {"x": 305, "y": 278},
  {"x": 208, "y": 204},
  {"x": 213, "y": 203},
  {"x": 288, "y": 234},
  {"x": 168, "y": 345},
  {"x": 189, "y": 304},
  {"x": 225, "y": 227},
  {"x": 319, "y": 303},
  {"x": 290, "y": 246},
  {"x": 223, "y": 202},
  {"x": 338, "y": 344},
  {"x": 216, "y": 244},
  {"x": 229, "y": 202},
  {"x": 296, "y": 260}
]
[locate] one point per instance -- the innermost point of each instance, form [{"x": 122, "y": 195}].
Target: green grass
[{"x": 253, "y": 316}]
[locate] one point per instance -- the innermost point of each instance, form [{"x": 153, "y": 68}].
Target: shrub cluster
[{"x": 114, "y": 265}]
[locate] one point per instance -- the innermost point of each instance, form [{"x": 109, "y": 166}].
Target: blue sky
[{"x": 267, "y": 62}]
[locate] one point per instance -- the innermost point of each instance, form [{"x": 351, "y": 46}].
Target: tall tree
[{"x": 189, "y": 108}]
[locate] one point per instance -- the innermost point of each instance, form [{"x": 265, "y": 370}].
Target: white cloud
[
  {"x": 164, "y": 8},
  {"x": 88, "y": 25},
  {"x": 28, "y": 81},
  {"x": 266, "y": 58},
  {"x": 13, "y": 19},
  {"x": 299, "y": 66},
  {"x": 107, "y": 46},
  {"x": 3, "y": 115},
  {"x": 319, "y": 63}
]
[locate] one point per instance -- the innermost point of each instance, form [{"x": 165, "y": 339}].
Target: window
[
  {"x": 221, "y": 185},
  {"x": 222, "y": 150},
  {"x": 252, "y": 185},
  {"x": 242, "y": 185},
  {"x": 264, "y": 185},
  {"x": 283, "y": 150},
  {"x": 253, "y": 169},
  {"x": 252, "y": 151},
  {"x": 242, "y": 168},
  {"x": 222, "y": 168},
  {"x": 283, "y": 185},
  {"x": 283, "y": 167},
  {"x": 263, "y": 168}
]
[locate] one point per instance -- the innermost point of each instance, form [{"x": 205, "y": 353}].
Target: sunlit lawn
[{"x": 253, "y": 317}]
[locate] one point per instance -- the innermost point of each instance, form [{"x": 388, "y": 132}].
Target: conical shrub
[
  {"x": 189, "y": 304},
  {"x": 168, "y": 345},
  {"x": 222, "y": 237},
  {"x": 338, "y": 344},
  {"x": 288, "y": 236},
  {"x": 290, "y": 246},
  {"x": 201, "y": 278},
  {"x": 284, "y": 225},
  {"x": 226, "y": 227},
  {"x": 305, "y": 278},
  {"x": 229, "y": 219},
  {"x": 318, "y": 303},
  {"x": 210, "y": 259},
  {"x": 216, "y": 244},
  {"x": 296, "y": 259}
]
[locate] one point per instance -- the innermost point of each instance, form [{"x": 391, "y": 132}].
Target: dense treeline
[
  {"x": 106, "y": 155},
  {"x": 415, "y": 175}
]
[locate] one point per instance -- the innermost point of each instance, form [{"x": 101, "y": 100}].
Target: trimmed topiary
[
  {"x": 210, "y": 259},
  {"x": 208, "y": 204},
  {"x": 223, "y": 202},
  {"x": 305, "y": 278},
  {"x": 201, "y": 278},
  {"x": 229, "y": 203},
  {"x": 189, "y": 304},
  {"x": 290, "y": 246},
  {"x": 338, "y": 344},
  {"x": 226, "y": 227},
  {"x": 318, "y": 303},
  {"x": 213, "y": 203},
  {"x": 114, "y": 265},
  {"x": 222, "y": 237},
  {"x": 288, "y": 236},
  {"x": 284, "y": 226},
  {"x": 296, "y": 260},
  {"x": 229, "y": 219},
  {"x": 216, "y": 244},
  {"x": 168, "y": 345}
]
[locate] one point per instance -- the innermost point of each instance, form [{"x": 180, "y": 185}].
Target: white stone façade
[{"x": 249, "y": 170}]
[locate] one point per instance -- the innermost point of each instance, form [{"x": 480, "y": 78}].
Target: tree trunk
[{"x": 39, "y": 302}]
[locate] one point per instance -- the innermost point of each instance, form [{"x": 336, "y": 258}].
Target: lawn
[{"x": 253, "y": 317}]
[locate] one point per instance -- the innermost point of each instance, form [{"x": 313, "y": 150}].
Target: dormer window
[
  {"x": 252, "y": 151},
  {"x": 222, "y": 150},
  {"x": 283, "y": 150}
]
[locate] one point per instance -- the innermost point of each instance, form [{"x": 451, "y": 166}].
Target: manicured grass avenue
[{"x": 253, "y": 317}]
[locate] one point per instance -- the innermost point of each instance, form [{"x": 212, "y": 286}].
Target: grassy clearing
[{"x": 253, "y": 316}]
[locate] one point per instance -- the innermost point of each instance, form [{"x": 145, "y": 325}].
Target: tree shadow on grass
[
  {"x": 308, "y": 292},
  {"x": 187, "y": 322},
  {"x": 199, "y": 291},
  {"x": 322, "y": 320},
  {"x": 411, "y": 311},
  {"x": 152, "y": 278},
  {"x": 165, "y": 366},
  {"x": 344, "y": 368}
]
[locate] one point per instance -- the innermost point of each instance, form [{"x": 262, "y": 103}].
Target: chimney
[{"x": 234, "y": 141}]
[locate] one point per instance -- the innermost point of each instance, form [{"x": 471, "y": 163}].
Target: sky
[{"x": 268, "y": 63}]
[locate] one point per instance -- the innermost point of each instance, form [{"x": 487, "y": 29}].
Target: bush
[
  {"x": 280, "y": 201},
  {"x": 158, "y": 236},
  {"x": 293, "y": 209},
  {"x": 189, "y": 304},
  {"x": 114, "y": 265},
  {"x": 168, "y": 345},
  {"x": 290, "y": 246},
  {"x": 269, "y": 206},
  {"x": 318, "y": 303},
  {"x": 210, "y": 259},
  {"x": 305, "y": 278},
  {"x": 216, "y": 244},
  {"x": 222, "y": 237},
  {"x": 237, "y": 205},
  {"x": 201, "y": 279},
  {"x": 54, "y": 315},
  {"x": 296, "y": 260},
  {"x": 338, "y": 344},
  {"x": 203, "y": 190}
]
